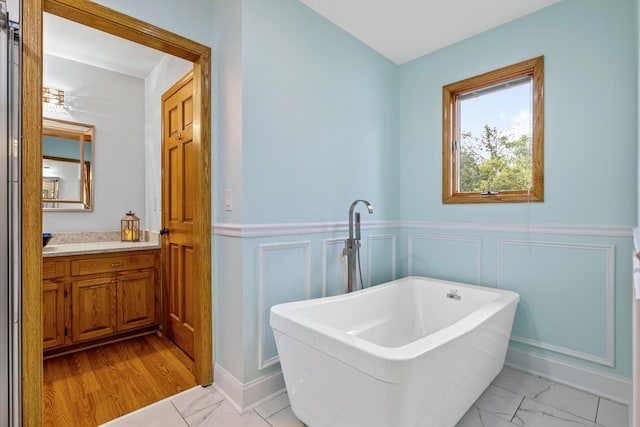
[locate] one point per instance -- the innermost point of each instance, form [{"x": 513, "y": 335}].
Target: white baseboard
[
  {"x": 245, "y": 397},
  {"x": 610, "y": 386}
]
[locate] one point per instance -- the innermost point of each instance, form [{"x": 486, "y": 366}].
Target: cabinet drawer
[
  {"x": 52, "y": 269},
  {"x": 106, "y": 264}
]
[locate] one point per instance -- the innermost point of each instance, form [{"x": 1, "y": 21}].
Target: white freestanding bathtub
[{"x": 412, "y": 352}]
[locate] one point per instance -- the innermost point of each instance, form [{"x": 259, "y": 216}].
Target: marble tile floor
[{"x": 514, "y": 399}]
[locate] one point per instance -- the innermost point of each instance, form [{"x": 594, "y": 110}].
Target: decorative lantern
[{"x": 130, "y": 228}]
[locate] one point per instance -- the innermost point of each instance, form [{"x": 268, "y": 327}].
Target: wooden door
[
  {"x": 93, "y": 308},
  {"x": 178, "y": 185},
  {"x": 136, "y": 300}
]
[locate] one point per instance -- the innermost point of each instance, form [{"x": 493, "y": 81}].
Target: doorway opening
[{"x": 104, "y": 19}]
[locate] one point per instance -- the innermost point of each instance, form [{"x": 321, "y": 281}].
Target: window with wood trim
[{"x": 493, "y": 136}]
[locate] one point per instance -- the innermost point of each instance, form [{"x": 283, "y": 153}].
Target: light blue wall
[
  {"x": 227, "y": 157},
  {"x": 319, "y": 119},
  {"x": 227, "y": 109},
  {"x": 63, "y": 147},
  {"x": 574, "y": 282}
]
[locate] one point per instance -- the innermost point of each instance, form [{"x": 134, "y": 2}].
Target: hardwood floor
[{"x": 91, "y": 387}]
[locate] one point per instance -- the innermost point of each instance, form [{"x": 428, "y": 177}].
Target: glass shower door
[{"x": 10, "y": 188}]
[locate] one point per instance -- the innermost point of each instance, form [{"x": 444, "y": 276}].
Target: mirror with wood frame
[{"x": 67, "y": 165}]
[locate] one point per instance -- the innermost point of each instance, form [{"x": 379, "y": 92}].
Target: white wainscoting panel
[
  {"x": 567, "y": 296},
  {"x": 454, "y": 258},
  {"x": 283, "y": 276},
  {"x": 332, "y": 273},
  {"x": 381, "y": 247}
]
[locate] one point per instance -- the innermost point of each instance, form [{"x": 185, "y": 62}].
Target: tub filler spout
[{"x": 352, "y": 245}]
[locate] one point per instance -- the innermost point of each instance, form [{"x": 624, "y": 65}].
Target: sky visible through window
[{"x": 508, "y": 110}]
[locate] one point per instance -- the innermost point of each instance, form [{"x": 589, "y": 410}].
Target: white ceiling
[
  {"x": 76, "y": 42},
  {"x": 403, "y": 30}
]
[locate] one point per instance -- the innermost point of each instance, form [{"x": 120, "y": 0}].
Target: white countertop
[{"x": 95, "y": 248}]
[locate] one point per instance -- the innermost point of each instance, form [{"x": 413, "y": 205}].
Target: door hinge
[
  {"x": 454, "y": 146},
  {"x": 66, "y": 331},
  {"x": 65, "y": 292}
]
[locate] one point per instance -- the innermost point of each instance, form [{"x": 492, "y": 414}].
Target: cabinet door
[
  {"x": 136, "y": 300},
  {"x": 93, "y": 303},
  {"x": 52, "y": 314}
]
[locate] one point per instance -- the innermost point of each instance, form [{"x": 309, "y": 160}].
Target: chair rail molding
[{"x": 282, "y": 229}]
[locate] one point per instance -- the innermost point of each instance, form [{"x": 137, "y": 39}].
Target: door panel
[
  {"x": 174, "y": 171},
  {"x": 177, "y": 194},
  {"x": 180, "y": 301},
  {"x": 189, "y": 164},
  {"x": 189, "y": 306},
  {"x": 172, "y": 119},
  {"x": 187, "y": 111}
]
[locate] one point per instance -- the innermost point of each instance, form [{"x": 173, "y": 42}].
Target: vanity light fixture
[
  {"x": 130, "y": 228},
  {"x": 53, "y": 97}
]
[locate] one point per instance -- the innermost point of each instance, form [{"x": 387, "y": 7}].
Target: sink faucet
[{"x": 352, "y": 245}]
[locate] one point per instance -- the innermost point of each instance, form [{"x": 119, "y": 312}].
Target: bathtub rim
[{"x": 286, "y": 319}]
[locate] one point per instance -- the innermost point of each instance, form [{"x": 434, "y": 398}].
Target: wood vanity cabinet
[
  {"x": 53, "y": 303},
  {"x": 91, "y": 297}
]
